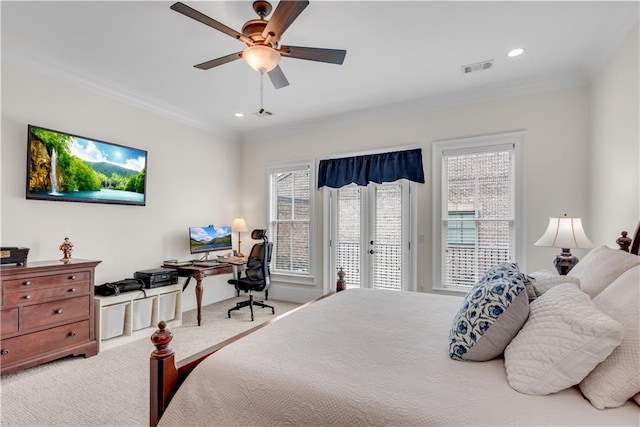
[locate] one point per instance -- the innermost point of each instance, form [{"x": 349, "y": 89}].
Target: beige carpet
[{"x": 112, "y": 388}]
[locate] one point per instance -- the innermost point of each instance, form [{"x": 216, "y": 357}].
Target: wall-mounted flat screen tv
[
  {"x": 66, "y": 167},
  {"x": 210, "y": 238}
]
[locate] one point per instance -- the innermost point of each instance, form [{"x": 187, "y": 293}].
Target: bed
[{"x": 378, "y": 357}]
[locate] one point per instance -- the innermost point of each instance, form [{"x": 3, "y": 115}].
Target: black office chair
[{"x": 257, "y": 275}]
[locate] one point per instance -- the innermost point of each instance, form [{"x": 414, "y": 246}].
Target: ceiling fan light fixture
[
  {"x": 515, "y": 52},
  {"x": 261, "y": 58}
]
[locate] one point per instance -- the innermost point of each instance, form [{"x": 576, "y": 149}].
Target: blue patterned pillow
[
  {"x": 509, "y": 270},
  {"x": 491, "y": 315}
]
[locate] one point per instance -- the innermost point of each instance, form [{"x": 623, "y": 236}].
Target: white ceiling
[{"x": 401, "y": 55}]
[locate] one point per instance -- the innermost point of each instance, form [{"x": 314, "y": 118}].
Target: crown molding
[{"x": 54, "y": 69}]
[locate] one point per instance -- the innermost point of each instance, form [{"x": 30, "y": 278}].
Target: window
[
  {"x": 290, "y": 214},
  {"x": 477, "y": 198}
]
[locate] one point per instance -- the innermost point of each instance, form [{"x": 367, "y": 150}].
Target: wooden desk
[{"x": 200, "y": 273}]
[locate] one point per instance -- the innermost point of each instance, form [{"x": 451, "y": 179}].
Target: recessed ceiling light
[
  {"x": 515, "y": 52},
  {"x": 239, "y": 114}
]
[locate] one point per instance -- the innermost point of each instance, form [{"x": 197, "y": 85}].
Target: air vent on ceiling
[{"x": 478, "y": 66}]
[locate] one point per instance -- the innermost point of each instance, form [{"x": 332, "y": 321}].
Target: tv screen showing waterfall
[{"x": 66, "y": 167}]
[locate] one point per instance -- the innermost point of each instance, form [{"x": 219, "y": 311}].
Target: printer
[{"x": 157, "y": 277}]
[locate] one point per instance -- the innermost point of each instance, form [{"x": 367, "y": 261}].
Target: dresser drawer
[
  {"x": 17, "y": 285},
  {"x": 50, "y": 313},
  {"x": 34, "y": 294},
  {"x": 9, "y": 321},
  {"x": 30, "y": 345}
]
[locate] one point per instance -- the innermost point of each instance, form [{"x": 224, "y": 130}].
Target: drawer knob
[
  {"x": 73, "y": 277},
  {"x": 27, "y": 297},
  {"x": 26, "y": 283},
  {"x": 4, "y": 351},
  {"x": 59, "y": 311},
  {"x": 72, "y": 290},
  {"x": 71, "y": 334}
]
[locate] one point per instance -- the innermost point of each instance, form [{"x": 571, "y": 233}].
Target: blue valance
[{"x": 378, "y": 168}]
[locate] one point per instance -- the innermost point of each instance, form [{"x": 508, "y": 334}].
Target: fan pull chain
[{"x": 261, "y": 90}]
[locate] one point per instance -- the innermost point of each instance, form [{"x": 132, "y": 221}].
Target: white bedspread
[{"x": 367, "y": 357}]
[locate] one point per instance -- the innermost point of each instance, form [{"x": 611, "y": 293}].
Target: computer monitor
[{"x": 209, "y": 238}]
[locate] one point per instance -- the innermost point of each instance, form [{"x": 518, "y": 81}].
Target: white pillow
[
  {"x": 545, "y": 280},
  {"x": 565, "y": 337},
  {"x": 600, "y": 267},
  {"x": 617, "y": 379}
]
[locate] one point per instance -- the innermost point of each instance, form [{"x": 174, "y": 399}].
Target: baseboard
[{"x": 289, "y": 293}]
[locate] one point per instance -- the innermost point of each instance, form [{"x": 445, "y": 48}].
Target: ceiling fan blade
[
  {"x": 201, "y": 17},
  {"x": 219, "y": 61},
  {"x": 286, "y": 12},
  {"x": 333, "y": 56},
  {"x": 278, "y": 78}
]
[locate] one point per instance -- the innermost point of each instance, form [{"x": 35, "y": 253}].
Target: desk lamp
[
  {"x": 239, "y": 225},
  {"x": 565, "y": 233}
]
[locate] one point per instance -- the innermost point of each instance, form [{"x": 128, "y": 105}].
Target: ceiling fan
[{"x": 262, "y": 38}]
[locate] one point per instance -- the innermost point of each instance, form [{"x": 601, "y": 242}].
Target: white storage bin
[
  {"x": 112, "y": 321},
  {"x": 168, "y": 306},
  {"x": 142, "y": 310}
]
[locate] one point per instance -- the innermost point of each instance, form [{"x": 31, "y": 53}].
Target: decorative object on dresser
[
  {"x": 13, "y": 255},
  {"x": 565, "y": 233},
  {"x": 66, "y": 247},
  {"x": 47, "y": 313}
]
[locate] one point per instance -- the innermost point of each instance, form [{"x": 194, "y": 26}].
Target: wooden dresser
[{"x": 47, "y": 312}]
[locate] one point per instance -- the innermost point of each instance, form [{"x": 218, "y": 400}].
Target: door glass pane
[
  {"x": 347, "y": 248},
  {"x": 387, "y": 247}
]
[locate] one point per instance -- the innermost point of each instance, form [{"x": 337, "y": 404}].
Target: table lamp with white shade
[
  {"x": 566, "y": 233},
  {"x": 239, "y": 226}
]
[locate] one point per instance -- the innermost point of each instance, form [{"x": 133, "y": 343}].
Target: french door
[{"x": 370, "y": 229}]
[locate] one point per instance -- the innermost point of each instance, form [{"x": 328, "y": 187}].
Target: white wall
[
  {"x": 556, "y": 126},
  {"x": 581, "y": 155},
  {"x": 183, "y": 165},
  {"x": 614, "y": 178}
]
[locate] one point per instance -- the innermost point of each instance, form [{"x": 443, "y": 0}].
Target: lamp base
[{"x": 565, "y": 261}]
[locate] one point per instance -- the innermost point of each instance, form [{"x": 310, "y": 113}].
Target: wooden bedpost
[
  {"x": 624, "y": 241},
  {"x": 340, "y": 284},
  {"x": 163, "y": 374},
  {"x": 635, "y": 246}
]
